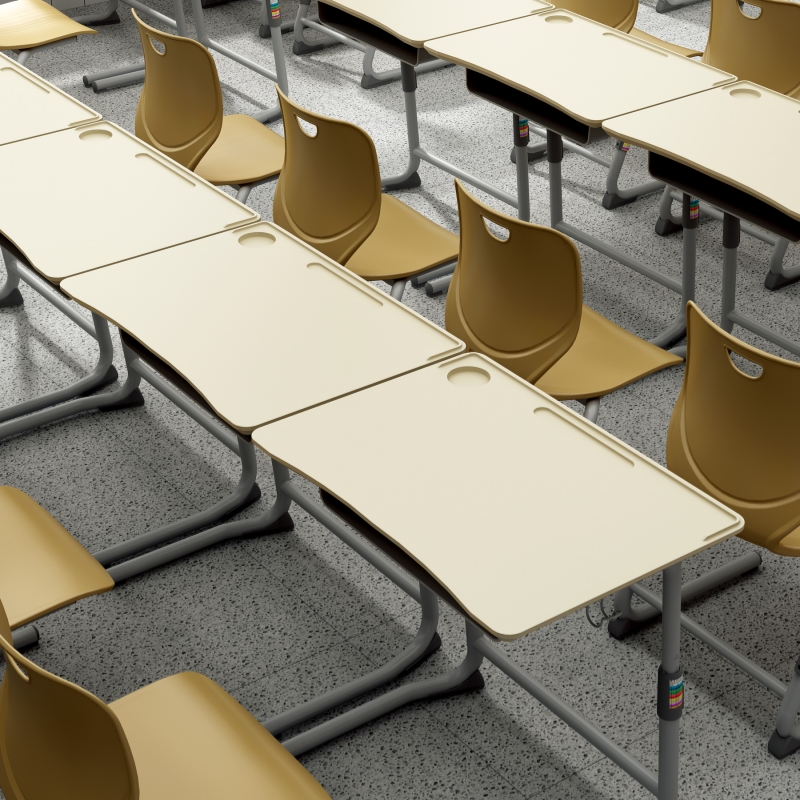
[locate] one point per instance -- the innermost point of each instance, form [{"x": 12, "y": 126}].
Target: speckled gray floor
[{"x": 276, "y": 620}]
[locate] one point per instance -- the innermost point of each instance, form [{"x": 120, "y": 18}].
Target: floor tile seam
[
  {"x": 298, "y": 597},
  {"x": 501, "y": 778}
]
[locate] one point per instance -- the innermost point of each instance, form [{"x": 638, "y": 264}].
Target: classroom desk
[
  {"x": 530, "y": 66},
  {"x": 134, "y": 201},
  {"x": 692, "y": 147},
  {"x": 498, "y": 534},
  {"x": 32, "y": 106},
  {"x": 401, "y": 30},
  {"x": 253, "y": 325}
]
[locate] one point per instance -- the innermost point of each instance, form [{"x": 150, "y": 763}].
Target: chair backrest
[
  {"x": 56, "y": 739},
  {"x": 619, "y": 14},
  {"x": 519, "y": 299},
  {"x": 762, "y": 50},
  {"x": 180, "y": 107},
  {"x": 329, "y": 191},
  {"x": 733, "y": 434}
]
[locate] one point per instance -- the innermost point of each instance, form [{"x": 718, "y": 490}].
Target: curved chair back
[
  {"x": 517, "y": 300},
  {"x": 730, "y": 436},
  {"x": 619, "y": 14},
  {"x": 762, "y": 50},
  {"x": 180, "y": 108},
  {"x": 329, "y": 192},
  {"x": 56, "y": 739}
]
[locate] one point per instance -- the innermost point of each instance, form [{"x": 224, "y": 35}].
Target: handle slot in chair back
[
  {"x": 180, "y": 108},
  {"x": 761, "y": 49},
  {"x": 517, "y": 299},
  {"x": 329, "y": 192}
]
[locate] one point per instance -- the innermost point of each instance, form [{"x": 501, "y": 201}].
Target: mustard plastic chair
[
  {"x": 181, "y": 738},
  {"x": 519, "y": 301},
  {"x": 180, "y": 113},
  {"x": 329, "y": 195},
  {"x": 27, "y": 25},
  {"x": 42, "y": 567},
  {"x": 620, "y": 14},
  {"x": 726, "y": 439},
  {"x": 763, "y": 49}
]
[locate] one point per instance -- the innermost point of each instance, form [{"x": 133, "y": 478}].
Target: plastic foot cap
[
  {"x": 370, "y": 82},
  {"x": 612, "y": 201},
  {"x": 622, "y": 627},
  {"x": 13, "y": 299},
  {"x": 664, "y": 227},
  {"x": 284, "y": 524},
  {"x": 303, "y": 49},
  {"x": 264, "y": 31},
  {"x": 774, "y": 281},
  {"x": 434, "y": 644},
  {"x": 107, "y": 380},
  {"x": 474, "y": 683},
  {"x": 781, "y": 747},
  {"x": 533, "y": 155},
  {"x": 134, "y": 400},
  {"x": 253, "y": 496},
  {"x": 212, "y": 3},
  {"x": 111, "y": 19},
  {"x": 412, "y": 182}
]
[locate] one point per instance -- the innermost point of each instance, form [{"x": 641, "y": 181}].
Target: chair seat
[
  {"x": 42, "y": 567},
  {"x": 245, "y": 152},
  {"x": 603, "y": 358},
  {"x": 674, "y": 48},
  {"x": 31, "y": 23},
  {"x": 191, "y": 740},
  {"x": 402, "y": 244}
]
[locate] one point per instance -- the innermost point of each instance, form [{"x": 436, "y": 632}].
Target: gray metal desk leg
[
  {"x": 785, "y": 739},
  {"x": 666, "y": 223},
  {"x": 10, "y": 295},
  {"x": 616, "y": 197},
  {"x": 670, "y": 687},
  {"x": 521, "y": 141},
  {"x": 465, "y": 678},
  {"x": 97, "y": 378},
  {"x": 300, "y": 47},
  {"x": 731, "y": 235},
  {"x": 425, "y": 643},
  {"x": 264, "y": 29},
  {"x": 777, "y": 277},
  {"x": 409, "y": 179}
]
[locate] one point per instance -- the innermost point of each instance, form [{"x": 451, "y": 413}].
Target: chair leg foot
[
  {"x": 109, "y": 378},
  {"x": 780, "y": 746},
  {"x": 621, "y": 628},
  {"x": 300, "y": 48},
  {"x": 664, "y": 227},
  {"x": 474, "y": 683},
  {"x": 612, "y": 201},
  {"x": 111, "y": 19},
  {"x": 25, "y": 637},
  {"x": 775, "y": 281},
  {"x": 12, "y": 299},
  {"x": 434, "y": 645},
  {"x": 411, "y": 182},
  {"x": 134, "y": 400}
]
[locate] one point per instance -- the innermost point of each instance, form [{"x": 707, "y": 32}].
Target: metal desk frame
[
  {"x": 466, "y": 677},
  {"x": 120, "y": 76}
]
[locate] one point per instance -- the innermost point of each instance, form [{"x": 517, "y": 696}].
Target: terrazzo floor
[{"x": 278, "y": 619}]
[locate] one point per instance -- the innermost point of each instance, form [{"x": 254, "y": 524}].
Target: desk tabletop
[
  {"x": 521, "y": 509},
  {"x": 261, "y": 324},
  {"x": 83, "y": 198},
  {"x": 585, "y": 69},
  {"x": 705, "y": 132},
  {"x": 31, "y": 106},
  {"x": 416, "y": 21}
]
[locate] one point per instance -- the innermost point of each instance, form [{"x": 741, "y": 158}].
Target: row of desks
[
  {"x": 577, "y": 78},
  {"x": 295, "y": 354}
]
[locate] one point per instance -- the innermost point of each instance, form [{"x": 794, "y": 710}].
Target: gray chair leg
[{"x": 785, "y": 739}]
